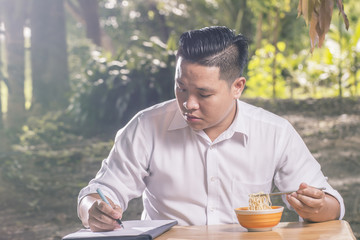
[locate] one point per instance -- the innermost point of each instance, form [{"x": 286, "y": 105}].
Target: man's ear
[{"x": 238, "y": 87}]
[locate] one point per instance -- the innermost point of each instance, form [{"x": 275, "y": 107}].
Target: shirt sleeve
[
  {"x": 122, "y": 173},
  {"x": 296, "y": 165}
]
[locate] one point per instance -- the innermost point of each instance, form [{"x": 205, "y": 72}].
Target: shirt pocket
[{"x": 241, "y": 191}]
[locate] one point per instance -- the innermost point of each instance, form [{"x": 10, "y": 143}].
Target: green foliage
[
  {"x": 50, "y": 131},
  {"x": 265, "y": 72},
  {"x": 49, "y": 149},
  {"x": 108, "y": 86},
  {"x": 45, "y": 147},
  {"x": 111, "y": 91}
]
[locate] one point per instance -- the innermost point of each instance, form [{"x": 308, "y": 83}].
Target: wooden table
[{"x": 337, "y": 230}]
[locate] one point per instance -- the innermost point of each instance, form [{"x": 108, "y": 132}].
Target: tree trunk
[
  {"x": 14, "y": 19},
  {"x": 1, "y": 74},
  {"x": 258, "y": 36},
  {"x": 48, "y": 56},
  {"x": 356, "y": 68},
  {"x": 239, "y": 18},
  {"x": 247, "y": 28},
  {"x": 1, "y": 64},
  {"x": 164, "y": 32},
  {"x": 339, "y": 66},
  {"x": 76, "y": 12},
  {"x": 1, "y": 114},
  {"x": 275, "y": 40},
  {"x": 91, "y": 16}
]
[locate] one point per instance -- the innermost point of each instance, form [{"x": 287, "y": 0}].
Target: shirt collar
[
  {"x": 240, "y": 123},
  {"x": 178, "y": 121}
]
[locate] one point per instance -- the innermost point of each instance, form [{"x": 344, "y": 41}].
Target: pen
[{"x": 105, "y": 200}]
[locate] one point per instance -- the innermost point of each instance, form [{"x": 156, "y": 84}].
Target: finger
[
  {"x": 294, "y": 202},
  {"x": 305, "y": 206},
  {"x": 98, "y": 220},
  {"x": 314, "y": 203},
  {"x": 303, "y": 185},
  {"x": 311, "y": 192},
  {"x": 101, "y": 222},
  {"x": 298, "y": 206},
  {"x": 98, "y": 226},
  {"x": 118, "y": 209},
  {"x": 111, "y": 203},
  {"x": 108, "y": 210}
]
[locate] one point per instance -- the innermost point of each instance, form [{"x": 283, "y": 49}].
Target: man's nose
[{"x": 191, "y": 104}]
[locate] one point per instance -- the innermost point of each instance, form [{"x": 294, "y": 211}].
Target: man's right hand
[{"x": 97, "y": 215}]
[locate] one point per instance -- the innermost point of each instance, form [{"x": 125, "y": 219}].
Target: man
[{"x": 196, "y": 158}]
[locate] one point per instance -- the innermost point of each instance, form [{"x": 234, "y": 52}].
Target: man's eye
[
  {"x": 180, "y": 89},
  {"x": 205, "y": 96}
]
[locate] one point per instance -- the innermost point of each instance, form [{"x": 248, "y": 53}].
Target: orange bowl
[{"x": 259, "y": 220}]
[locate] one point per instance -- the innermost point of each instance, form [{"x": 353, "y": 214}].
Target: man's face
[{"x": 206, "y": 102}]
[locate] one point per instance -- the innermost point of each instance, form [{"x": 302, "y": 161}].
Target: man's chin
[{"x": 195, "y": 127}]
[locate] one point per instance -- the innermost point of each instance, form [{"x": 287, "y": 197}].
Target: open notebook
[{"x": 137, "y": 229}]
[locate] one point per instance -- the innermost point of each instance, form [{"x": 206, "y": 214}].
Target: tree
[
  {"x": 317, "y": 14},
  {"x": 275, "y": 12},
  {"x": 48, "y": 56},
  {"x": 344, "y": 47},
  {"x": 91, "y": 17},
  {"x": 1, "y": 72},
  {"x": 261, "y": 71},
  {"x": 14, "y": 19},
  {"x": 87, "y": 14}
]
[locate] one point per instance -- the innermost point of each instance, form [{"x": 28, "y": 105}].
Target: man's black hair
[{"x": 215, "y": 46}]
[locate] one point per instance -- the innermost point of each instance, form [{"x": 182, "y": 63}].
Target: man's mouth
[{"x": 190, "y": 117}]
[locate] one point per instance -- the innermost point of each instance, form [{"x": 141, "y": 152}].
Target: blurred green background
[{"x": 72, "y": 72}]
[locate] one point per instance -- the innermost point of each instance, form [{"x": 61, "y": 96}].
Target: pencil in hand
[{"x": 107, "y": 202}]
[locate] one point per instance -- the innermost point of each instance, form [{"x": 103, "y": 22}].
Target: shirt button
[
  {"x": 211, "y": 147},
  {"x": 213, "y": 179}
]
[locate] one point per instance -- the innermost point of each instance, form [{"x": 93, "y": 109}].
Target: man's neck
[{"x": 214, "y": 132}]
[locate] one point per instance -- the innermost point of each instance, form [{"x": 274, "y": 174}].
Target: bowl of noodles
[{"x": 259, "y": 216}]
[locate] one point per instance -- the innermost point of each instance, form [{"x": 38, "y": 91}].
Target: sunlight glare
[
  {"x": 2, "y": 31},
  {"x": 110, "y": 4},
  {"x": 357, "y": 48},
  {"x": 27, "y": 32}
]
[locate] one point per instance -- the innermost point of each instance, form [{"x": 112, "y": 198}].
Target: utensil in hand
[{"x": 285, "y": 192}]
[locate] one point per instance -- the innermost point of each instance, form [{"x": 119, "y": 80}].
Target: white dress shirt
[{"x": 183, "y": 175}]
